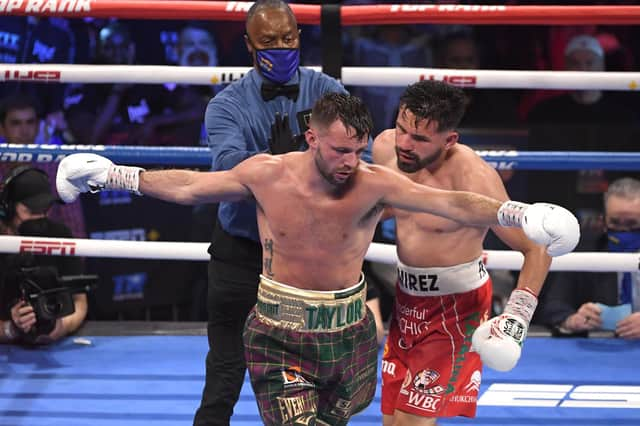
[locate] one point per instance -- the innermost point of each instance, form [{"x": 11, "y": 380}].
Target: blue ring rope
[{"x": 201, "y": 156}]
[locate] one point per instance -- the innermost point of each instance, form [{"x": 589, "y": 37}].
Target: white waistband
[
  {"x": 314, "y": 295},
  {"x": 441, "y": 281},
  {"x": 284, "y": 306}
]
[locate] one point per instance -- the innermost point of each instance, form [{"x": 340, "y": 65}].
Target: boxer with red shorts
[{"x": 439, "y": 335}]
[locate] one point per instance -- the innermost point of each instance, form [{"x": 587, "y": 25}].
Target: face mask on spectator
[{"x": 624, "y": 241}]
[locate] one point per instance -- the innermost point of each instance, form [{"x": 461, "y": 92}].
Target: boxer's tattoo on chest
[{"x": 268, "y": 256}]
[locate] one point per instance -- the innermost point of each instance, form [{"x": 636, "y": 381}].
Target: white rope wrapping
[
  {"x": 382, "y": 253},
  {"x": 354, "y": 76}
]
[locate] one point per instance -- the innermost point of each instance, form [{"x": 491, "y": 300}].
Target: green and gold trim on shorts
[{"x": 283, "y": 306}]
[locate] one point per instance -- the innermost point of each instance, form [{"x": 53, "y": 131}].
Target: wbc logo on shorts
[{"x": 424, "y": 380}]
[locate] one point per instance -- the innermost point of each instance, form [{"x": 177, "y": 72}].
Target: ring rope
[
  {"x": 201, "y": 156},
  {"x": 386, "y": 14},
  {"x": 351, "y": 76},
  {"x": 383, "y": 253}
]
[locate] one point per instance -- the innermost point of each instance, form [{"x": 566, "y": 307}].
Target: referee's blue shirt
[{"x": 238, "y": 126}]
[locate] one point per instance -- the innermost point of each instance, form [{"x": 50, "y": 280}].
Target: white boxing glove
[
  {"x": 78, "y": 173},
  {"x": 499, "y": 340},
  {"x": 550, "y": 225}
]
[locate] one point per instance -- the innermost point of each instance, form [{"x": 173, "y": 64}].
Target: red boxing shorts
[{"x": 427, "y": 367}]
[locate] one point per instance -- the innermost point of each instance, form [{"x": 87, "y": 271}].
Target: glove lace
[
  {"x": 123, "y": 177},
  {"x": 510, "y": 213}
]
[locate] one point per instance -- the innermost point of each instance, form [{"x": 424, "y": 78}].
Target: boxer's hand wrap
[
  {"x": 123, "y": 177},
  {"x": 78, "y": 173},
  {"x": 510, "y": 213},
  {"x": 550, "y": 225},
  {"x": 499, "y": 340}
]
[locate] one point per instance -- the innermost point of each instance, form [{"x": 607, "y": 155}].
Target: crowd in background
[
  {"x": 144, "y": 108},
  {"x": 172, "y": 114}
]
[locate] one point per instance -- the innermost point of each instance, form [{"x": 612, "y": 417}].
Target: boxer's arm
[
  {"x": 536, "y": 260},
  {"x": 499, "y": 341},
  {"x": 550, "y": 225},
  {"x": 80, "y": 173},
  {"x": 190, "y": 187},
  {"x": 487, "y": 181},
  {"x": 462, "y": 206}
]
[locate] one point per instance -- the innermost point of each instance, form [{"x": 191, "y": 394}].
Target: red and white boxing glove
[
  {"x": 78, "y": 173},
  {"x": 499, "y": 340},
  {"x": 550, "y": 225}
]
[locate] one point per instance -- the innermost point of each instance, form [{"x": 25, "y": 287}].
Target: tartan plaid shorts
[{"x": 311, "y": 378}]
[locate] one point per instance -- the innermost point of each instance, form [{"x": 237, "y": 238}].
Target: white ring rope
[
  {"x": 383, "y": 253},
  {"x": 353, "y": 76}
]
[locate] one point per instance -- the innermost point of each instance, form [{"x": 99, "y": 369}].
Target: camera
[
  {"x": 49, "y": 304},
  {"x": 51, "y": 296}
]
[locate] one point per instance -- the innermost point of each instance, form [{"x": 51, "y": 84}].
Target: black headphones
[{"x": 7, "y": 205}]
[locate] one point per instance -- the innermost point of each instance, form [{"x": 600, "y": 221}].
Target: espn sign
[
  {"x": 48, "y": 248},
  {"x": 39, "y": 76},
  {"x": 454, "y": 80}
]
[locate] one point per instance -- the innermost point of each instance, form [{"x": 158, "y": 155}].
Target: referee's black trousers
[{"x": 231, "y": 295}]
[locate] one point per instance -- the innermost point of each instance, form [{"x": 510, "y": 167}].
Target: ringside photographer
[{"x": 40, "y": 301}]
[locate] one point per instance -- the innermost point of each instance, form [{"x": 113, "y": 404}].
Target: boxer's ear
[
  {"x": 451, "y": 139},
  {"x": 311, "y": 138}
]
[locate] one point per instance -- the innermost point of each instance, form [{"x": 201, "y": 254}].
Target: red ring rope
[{"x": 351, "y": 15}]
